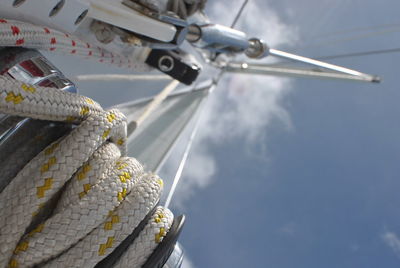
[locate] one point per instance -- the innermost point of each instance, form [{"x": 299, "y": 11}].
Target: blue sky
[
  {"x": 318, "y": 185},
  {"x": 291, "y": 172}
]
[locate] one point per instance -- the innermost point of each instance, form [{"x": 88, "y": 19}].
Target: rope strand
[{"x": 105, "y": 197}]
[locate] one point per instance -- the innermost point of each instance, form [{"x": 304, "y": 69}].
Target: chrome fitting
[{"x": 257, "y": 49}]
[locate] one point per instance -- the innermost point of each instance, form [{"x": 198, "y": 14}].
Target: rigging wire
[
  {"x": 178, "y": 174},
  {"x": 181, "y": 166},
  {"x": 188, "y": 147},
  {"x": 356, "y": 30},
  {"x": 342, "y": 56},
  {"x": 326, "y": 13},
  {"x": 359, "y": 54},
  {"x": 244, "y": 4},
  {"x": 351, "y": 38}
]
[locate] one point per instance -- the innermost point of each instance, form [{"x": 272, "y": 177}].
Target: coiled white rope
[{"x": 105, "y": 194}]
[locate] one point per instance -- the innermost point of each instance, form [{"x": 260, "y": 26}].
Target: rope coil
[{"x": 104, "y": 194}]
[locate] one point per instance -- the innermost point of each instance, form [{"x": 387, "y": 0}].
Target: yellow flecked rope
[{"x": 105, "y": 194}]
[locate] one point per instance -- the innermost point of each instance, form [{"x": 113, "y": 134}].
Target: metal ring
[
  {"x": 166, "y": 63},
  {"x": 81, "y": 17},
  {"x": 17, "y": 3},
  {"x": 57, "y": 8}
]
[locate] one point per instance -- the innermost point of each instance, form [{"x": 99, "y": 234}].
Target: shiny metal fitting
[
  {"x": 257, "y": 49},
  {"x": 18, "y": 134}
]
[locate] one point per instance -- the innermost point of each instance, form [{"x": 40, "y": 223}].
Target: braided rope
[
  {"x": 105, "y": 194},
  {"x": 144, "y": 244},
  {"x": 120, "y": 223},
  {"x": 21, "y": 34}
]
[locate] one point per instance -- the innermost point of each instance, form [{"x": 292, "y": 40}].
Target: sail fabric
[{"x": 151, "y": 142}]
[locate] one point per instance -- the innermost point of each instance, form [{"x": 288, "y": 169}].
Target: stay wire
[
  {"x": 352, "y": 38},
  {"x": 356, "y": 30},
  {"x": 343, "y": 56},
  {"x": 244, "y": 4}
]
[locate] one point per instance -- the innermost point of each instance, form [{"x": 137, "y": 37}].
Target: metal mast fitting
[
  {"x": 325, "y": 70},
  {"x": 222, "y": 39}
]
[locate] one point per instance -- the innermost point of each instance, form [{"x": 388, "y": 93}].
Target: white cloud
[
  {"x": 243, "y": 106},
  {"x": 393, "y": 241}
]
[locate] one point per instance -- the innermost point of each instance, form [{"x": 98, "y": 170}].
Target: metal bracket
[
  {"x": 169, "y": 17},
  {"x": 117, "y": 14},
  {"x": 175, "y": 64},
  {"x": 151, "y": 28}
]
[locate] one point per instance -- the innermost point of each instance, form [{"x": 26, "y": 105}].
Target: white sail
[{"x": 151, "y": 142}]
